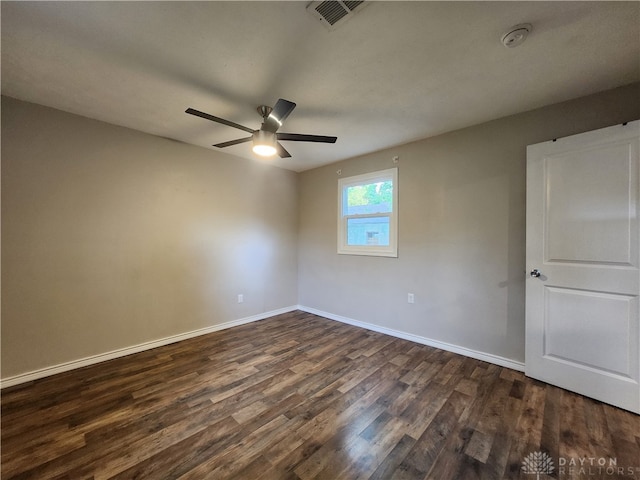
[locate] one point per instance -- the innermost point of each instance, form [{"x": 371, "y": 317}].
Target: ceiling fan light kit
[
  {"x": 264, "y": 143},
  {"x": 266, "y": 139}
]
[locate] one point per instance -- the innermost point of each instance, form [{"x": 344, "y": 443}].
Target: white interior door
[{"x": 582, "y": 311}]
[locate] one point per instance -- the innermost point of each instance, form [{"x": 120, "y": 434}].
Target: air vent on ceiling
[{"x": 334, "y": 13}]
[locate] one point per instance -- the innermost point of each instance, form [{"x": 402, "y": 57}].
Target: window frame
[{"x": 390, "y": 250}]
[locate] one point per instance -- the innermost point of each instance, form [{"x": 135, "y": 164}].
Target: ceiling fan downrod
[{"x": 264, "y": 111}]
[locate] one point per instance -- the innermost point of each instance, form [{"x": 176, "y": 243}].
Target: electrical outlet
[
  {"x": 240, "y": 298},
  {"x": 410, "y": 298}
]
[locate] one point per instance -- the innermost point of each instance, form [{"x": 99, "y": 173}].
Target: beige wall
[
  {"x": 461, "y": 229},
  {"x": 112, "y": 237}
]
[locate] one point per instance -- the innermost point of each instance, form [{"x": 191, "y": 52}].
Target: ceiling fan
[{"x": 266, "y": 139}]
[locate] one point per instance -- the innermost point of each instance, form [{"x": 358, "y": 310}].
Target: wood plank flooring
[{"x": 301, "y": 397}]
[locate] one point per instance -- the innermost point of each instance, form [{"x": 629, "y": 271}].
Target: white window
[{"x": 368, "y": 214}]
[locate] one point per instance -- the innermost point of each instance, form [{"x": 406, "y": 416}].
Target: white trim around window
[{"x": 368, "y": 229}]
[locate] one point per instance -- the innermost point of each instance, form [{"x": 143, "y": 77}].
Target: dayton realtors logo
[
  {"x": 541, "y": 463},
  {"x": 538, "y": 463}
]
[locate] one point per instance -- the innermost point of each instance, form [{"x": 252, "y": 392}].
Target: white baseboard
[
  {"x": 102, "y": 357},
  {"x": 467, "y": 352}
]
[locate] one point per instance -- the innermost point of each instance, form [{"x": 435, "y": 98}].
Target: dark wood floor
[{"x": 299, "y": 397}]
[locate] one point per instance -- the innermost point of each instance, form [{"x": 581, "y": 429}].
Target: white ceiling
[{"x": 395, "y": 72}]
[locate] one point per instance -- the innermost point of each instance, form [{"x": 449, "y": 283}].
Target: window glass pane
[
  {"x": 368, "y": 231},
  {"x": 369, "y": 198}
]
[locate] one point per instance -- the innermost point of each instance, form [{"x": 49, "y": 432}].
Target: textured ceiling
[{"x": 395, "y": 72}]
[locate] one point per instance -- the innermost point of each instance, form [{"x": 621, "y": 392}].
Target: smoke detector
[
  {"x": 516, "y": 35},
  {"x": 334, "y": 13}
]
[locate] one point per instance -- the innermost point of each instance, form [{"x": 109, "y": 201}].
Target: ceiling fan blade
[
  {"x": 298, "y": 137},
  {"x": 233, "y": 142},
  {"x": 198, "y": 113},
  {"x": 281, "y": 110},
  {"x": 282, "y": 152}
]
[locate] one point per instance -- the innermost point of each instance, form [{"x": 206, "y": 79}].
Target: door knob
[{"x": 535, "y": 273}]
